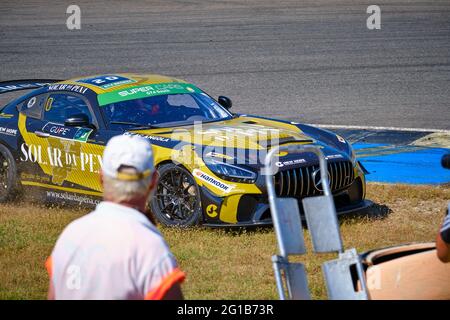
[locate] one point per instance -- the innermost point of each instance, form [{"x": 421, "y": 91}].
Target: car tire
[
  {"x": 176, "y": 200},
  {"x": 8, "y": 175}
]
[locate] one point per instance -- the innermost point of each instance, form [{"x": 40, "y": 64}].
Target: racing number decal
[
  {"x": 102, "y": 81},
  {"x": 106, "y": 82},
  {"x": 48, "y": 104},
  {"x": 211, "y": 210}
]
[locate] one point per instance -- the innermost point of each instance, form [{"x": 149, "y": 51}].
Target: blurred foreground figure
[
  {"x": 443, "y": 240},
  {"x": 116, "y": 252}
]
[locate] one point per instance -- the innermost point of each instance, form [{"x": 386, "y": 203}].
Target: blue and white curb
[{"x": 410, "y": 156}]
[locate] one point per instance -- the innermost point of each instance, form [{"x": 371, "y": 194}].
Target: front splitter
[{"x": 268, "y": 222}]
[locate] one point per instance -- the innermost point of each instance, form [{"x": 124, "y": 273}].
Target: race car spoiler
[{"x": 25, "y": 84}]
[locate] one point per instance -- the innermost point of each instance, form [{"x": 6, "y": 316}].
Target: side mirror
[
  {"x": 225, "y": 102},
  {"x": 446, "y": 161},
  {"x": 77, "y": 120}
]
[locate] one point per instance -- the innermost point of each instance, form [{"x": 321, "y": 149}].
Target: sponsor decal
[
  {"x": 211, "y": 210},
  {"x": 289, "y": 163},
  {"x": 82, "y": 134},
  {"x": 281, "y": 164},
  {"x": 333, "y": 156},
  {"x": 35, "y": 177},
  {"x": 107, "y": 81},
  {"x": 148, "y": 137},
  {"x": 68, "y": 87},
  {"x": 67, "y": 133},
  {"x": 71, "y": 197},
  {"x": 155, "y": 89},
  {"x": 212, "y": 181},
  {"x": 146, "y": 91},
  {"x": 225, "y": 133},
  {"x": 60, "y": 158},
  {"x": 60, "y": 131},
  {"x": 8, "y": 131},
  {"x": 14, "y": 87}
]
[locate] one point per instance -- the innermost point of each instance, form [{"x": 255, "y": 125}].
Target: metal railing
[{"x": 323, "y": 225}]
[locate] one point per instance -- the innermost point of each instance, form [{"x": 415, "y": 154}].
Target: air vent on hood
[{"x": 250, "y": 122}]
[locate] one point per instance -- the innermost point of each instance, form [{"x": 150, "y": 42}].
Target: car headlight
[{"x": 230, "y": 172}]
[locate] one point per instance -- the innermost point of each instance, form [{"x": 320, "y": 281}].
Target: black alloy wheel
[
  {"x": 8, "y": 175},
  {"x": 176, "y": 200}
]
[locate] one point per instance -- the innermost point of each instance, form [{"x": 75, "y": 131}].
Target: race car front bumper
[{"x": 253, "y": 210}]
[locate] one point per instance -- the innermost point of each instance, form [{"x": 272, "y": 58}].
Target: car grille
[{"x": 298, "y": 182}]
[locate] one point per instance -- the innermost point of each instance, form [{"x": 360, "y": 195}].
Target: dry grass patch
[{"x": 221, "y": 264}]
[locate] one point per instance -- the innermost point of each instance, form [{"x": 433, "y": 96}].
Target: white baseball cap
[{"x": 128, "y": 151}]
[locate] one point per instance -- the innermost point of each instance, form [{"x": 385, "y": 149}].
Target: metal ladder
[{"x": 323, "y": 225}]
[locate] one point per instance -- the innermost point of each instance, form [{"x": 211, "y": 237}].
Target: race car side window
[
  {"x": 33, "y": 106},
  {"x": 59, "y": 106}
]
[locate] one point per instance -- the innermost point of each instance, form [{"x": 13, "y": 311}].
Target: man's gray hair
[{"x": 123, "y": 190}]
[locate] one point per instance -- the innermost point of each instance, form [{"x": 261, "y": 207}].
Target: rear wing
[{"x": 25, "y": 84}]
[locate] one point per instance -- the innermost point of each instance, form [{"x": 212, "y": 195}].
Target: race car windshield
[{"x": 164, "y": 111}]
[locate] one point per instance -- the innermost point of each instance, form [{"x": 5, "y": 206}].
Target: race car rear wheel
[
  {"x": 176, "y": 201},
  {"x": 8, "y": 175}
]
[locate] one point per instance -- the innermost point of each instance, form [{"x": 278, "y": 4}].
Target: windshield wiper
[{"x": 136, "y": 126}]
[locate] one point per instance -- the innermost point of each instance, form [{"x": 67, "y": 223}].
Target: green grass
[{"x": 220, "y": 264}]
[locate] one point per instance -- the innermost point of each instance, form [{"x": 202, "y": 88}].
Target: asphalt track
[
  {"x": 308, "y": 61},
  {"x": 401, "y": 156}
]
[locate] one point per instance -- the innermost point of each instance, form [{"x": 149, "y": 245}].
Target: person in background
[{"x": 116, "y": 252}]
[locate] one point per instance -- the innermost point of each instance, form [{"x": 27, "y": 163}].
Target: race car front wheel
[
  {"x": 8, "y": 174},
  {"x": 176, "y": 201}
]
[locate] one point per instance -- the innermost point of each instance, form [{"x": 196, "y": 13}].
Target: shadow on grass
[
  {"x": 375, "y": 211},
  {"x": 238, "y": 231},
  {"x": 228, "y": 230}
]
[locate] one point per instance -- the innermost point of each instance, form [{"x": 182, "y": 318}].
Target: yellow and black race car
[{"x": 209, "y": 160}]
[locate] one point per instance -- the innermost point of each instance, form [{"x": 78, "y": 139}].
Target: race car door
[{"x": 65, "y": 143}]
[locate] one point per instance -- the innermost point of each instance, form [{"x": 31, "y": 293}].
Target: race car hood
[
  {"x": 240, "y": 132},
  {"x": 237, "y": 139}
]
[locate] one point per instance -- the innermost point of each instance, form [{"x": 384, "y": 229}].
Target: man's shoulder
[
  {"x": 149, "y": 234},
  {"x": 99, "y": 226},
  {"x": 79, "y": 224}
]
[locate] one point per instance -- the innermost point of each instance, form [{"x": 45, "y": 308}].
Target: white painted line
[{"x": 335, "y": 126}]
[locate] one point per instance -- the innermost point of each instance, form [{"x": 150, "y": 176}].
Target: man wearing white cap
[{"x": 115, "y": 252}]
